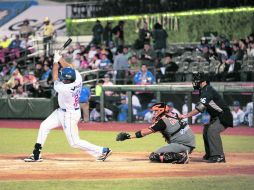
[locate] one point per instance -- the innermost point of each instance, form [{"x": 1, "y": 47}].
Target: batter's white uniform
[{"x": 68, "y": 116}]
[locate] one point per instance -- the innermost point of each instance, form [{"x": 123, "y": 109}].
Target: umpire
[{"x": 221, "y": 117}]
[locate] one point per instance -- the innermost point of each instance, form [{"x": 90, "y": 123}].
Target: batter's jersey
[
  {"x": 174, "y": 131},
  {"x": 69, "y": 94},
  {"x": 215, "y": 105}
]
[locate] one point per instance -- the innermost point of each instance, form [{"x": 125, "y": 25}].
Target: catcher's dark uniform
[
  {"x": 221, "y": 118},
  {"x": 177, "y": 134}
]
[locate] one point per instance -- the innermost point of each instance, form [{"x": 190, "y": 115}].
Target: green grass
[
  {"x": 203, "y": 183},
  {"x": 22, "y": 141}
]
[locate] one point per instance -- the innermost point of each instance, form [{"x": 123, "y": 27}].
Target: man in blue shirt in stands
[{"x": 84, "y": 103}]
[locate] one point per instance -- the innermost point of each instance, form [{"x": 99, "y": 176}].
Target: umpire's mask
[{"x": 198, "y": 78}]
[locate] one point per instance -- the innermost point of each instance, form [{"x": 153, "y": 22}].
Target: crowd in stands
[{"x": 148, "y": 61}]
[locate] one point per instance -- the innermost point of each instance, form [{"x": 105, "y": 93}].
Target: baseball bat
[{"x": 66, "y": 44}]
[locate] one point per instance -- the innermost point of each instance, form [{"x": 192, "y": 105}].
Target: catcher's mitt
[{"x": 123, "y": 136}]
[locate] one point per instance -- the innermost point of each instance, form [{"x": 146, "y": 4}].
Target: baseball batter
[
  {"x": 178, "y": 135},
  {"x": 68, "y": 86}
]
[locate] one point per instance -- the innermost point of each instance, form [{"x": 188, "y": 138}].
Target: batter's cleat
[
  {"x": 31, "y": 159},
  {"x": 106, "y": 153},
  {"x": 217, "y": 159}
]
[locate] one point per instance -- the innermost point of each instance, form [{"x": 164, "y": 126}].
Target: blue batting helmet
[{"x": 68, "y": 73}]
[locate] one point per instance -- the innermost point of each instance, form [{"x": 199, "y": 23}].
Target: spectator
[
  {"x": 76, "y": 50},
  {"x": 120, "y": 67},
  {"x": 91, "y": 53},
  {"x": 148, "y": 113},
  {"x": 135, "y": 65},
  {"x": 232, "y": 70},
  {"x": 14, "y": 48},
  {"x": 144, "y": 77},
  {"x": 95, "y": 114},
  {"x": 26, "y": 29},
  {"x": 20, "y": 93},
  {"x": 145, "y": 36},
  {"x": 96, "y": 61},
  {"x": 172, "y": 108},
  {"x": 14, "y": 66},
  {"x": 98, "y": 88},
  {"x": 123, "y": 110},
  {"x": 27, "y": 45},
  {"x": 105, "y": 64},
  {"x": 203, "y": 43},
  {"x": 97, "y": 33},
  {"x": 77, "y": 61},
  {"x": 30, "y": 84},
  {"x": 16, "y": 75},
  {"x": 250, "y": 49},
  {"x": 83, "y": 62},
  {"x": 69, "y": 53},
  {"x": 84, "y": 103},
  {"x": 237, "y": 53},
  {"x": 107, "y": 34},
  {"x": 46, "y": 73},
  {"x": 5, "y": 42},
  {"x": 238, "y": 114},
  {"x": 12, "y": 90},
  {"x": 160, "y": 39},
  {"x": 118, "y": 32},
  {"x": 38, "y": 72},
  {"x": 249, "y": 113},
  {"x": 107, "y": 82},
  {"x": 168, "y": 70},
  {"x": 136, "y": 106},
  {"x": 147, "y": 56},
  {"x": 185, "y": 110},
  {"x": 48, "y": 33},
  {"x": 126, "y": 52}
]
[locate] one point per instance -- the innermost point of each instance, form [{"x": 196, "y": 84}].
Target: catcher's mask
[
  {"x": 198, "y": 78},
  {"x": 159, "y": 110}
]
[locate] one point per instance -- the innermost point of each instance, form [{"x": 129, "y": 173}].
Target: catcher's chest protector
[{"x": 184, "y": 136}]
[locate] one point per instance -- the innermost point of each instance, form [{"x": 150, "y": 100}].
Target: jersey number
[{"x": 203, "y": 100}]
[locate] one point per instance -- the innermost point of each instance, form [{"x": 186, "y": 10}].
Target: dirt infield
[{"x": 119, "y": 165}]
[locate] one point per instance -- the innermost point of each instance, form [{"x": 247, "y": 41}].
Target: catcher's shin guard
[
  {"x": 154, "y": 157},
  {"x": 176, "y": 158}
]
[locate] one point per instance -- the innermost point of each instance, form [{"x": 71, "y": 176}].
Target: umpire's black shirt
[{"x": 215, "y": 105}]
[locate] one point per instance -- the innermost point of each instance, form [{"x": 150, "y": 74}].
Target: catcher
[{"x": 178, "y": 135}]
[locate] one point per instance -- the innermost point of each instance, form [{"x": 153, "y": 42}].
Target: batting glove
[{"x": 57, "y": 56}]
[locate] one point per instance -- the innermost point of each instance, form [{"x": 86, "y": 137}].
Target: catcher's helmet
[
  {"x": 199, "y": 78},
  {"x": 159, "y": 110},
  {"x": 68, "y": 73}
]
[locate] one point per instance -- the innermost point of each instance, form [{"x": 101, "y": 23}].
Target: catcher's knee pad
[
  {"x": 175, "y": 158},
  {"x": 154, "y": 157}
]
